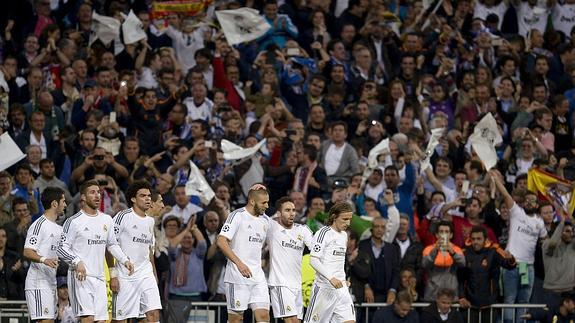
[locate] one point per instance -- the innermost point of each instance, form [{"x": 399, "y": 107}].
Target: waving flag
[
  {"x": 484, "y": 139},
  {"x": 242, "y": 25},
  {"x": 550, "y": 187}
]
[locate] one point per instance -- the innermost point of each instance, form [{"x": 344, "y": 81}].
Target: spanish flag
[{"x": 552, "y": 188}]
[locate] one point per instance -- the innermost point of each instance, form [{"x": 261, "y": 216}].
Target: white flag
[
  {"x": 255, "y": 174},
  {"x": 381, "y": 148},
  {"x": 484, "y": 139},
  {"x": 234, "y": 152},
  {"x": 11, "y": 153},
  {"x": 242, "y": 25},
  {"x": 104, "y": 28},
  {"x": 433, "y": 142},
  {"x": 132, "y": 29},
  {"x": 198, "y": 186}
]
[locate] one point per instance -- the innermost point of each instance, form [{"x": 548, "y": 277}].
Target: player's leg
[
  {"x": 322, "y": 304},
  {"x": 100, "y": 301},
  {"x": 41, "y": 305},
  {"x": 259, "y": 302},
  {"x": 344, "y": 311},
  {"x": 117, "y": 305},
  {"x": 284, "y": 304},
  {"x": 83, "y": 298},
  {"x": 237, "y": 297},
  {"x": 150, "y": 302}
]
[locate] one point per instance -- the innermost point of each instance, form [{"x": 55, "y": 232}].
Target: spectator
[
  {"x": 557, "y": 255},
  {"x": 399, "y": 311},
  {"x": 337, "y": 157},
  {"x": 479, "y": 279},
  {"x": 12, "y": 274},
  {"x": 184, "y": 210},
  {"x": 518, "y": 282},
  {"x": 441, "y": 261},
  {"x": 5, "y": 198},
  {"x": 24, "y": 189},
  {"x": 440, "y": 310},
  {"x": 186, "y": 263}
]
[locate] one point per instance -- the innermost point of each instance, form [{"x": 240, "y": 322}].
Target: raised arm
[{"x": 498, "y": 179}]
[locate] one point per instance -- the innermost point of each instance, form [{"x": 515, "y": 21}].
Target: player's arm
[
  {"x": 224, "y": 245},
  {"x": 113, "y": 247},
  {"x": 152, "y": 260},
  {"x": 31, "y": 248},
  {"x": 65, "y": 250}
]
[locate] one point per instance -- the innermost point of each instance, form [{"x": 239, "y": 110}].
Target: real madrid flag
[
  {"x": 484, "y": 139},
  {"x": 242, "y": 25}
]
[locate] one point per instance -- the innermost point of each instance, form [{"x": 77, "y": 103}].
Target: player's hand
[
  {"x": 369, "y": 297},
  {"x": 81, "y": 271},
  {"x": 336, "y": 283},
  {"x": 244, "y": 270},
  {"x": 114, "y": 285},
  {"x": 51, "y": 262},
  {"x": 130, "y": 266}
]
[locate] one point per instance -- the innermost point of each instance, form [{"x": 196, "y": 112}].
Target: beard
[
  {"x": 258, "y": 210},
  {"x": 530, "y": 210}
]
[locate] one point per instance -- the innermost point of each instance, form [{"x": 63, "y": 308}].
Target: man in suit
[
  {"x": 380, "y": 279},
  {"x": 337, "y": 157},
  {"x": 215, "y": 260},
  {"x": 36, "y": 135}
]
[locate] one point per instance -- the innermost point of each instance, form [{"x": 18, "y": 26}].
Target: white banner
[
  {"x": 104, "y": 28},
  {"x": 433, "y": 142},
  {"x": 242, "y": 25},
  {"x": 484, "y": 139},
  {"x": 198, "y": 186},
  {"x": 255, "y": 174},
  {"x": 132, "y": 29},
  {"x": 11, "y": 153},
  {"x": 234, "y": 152}
]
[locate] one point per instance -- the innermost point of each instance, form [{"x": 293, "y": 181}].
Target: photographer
[{"x": 99, "y": 162}]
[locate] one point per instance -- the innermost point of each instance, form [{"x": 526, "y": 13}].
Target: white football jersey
[
  {"x": 330, "y": 248},
  {"x": 247, "y": 234},
  {"x": 286, "y": 251},
  {"x": 43, "y": 237},
  {"x": 136, "y": 237},
  {"x": 85, "y": 238}
]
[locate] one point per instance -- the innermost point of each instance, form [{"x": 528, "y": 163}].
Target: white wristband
[
  {"x": 113, "y": 272},
  {"x": 42, "y": 259}
]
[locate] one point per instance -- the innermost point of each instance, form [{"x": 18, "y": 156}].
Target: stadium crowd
[{"x": 326, "y": 83}]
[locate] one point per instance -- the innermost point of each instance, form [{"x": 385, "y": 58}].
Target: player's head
[
  {"x": 90, "y": 194},
  {"x": 286, "y": 208},
  {"x": 340, "y": 216},
  {"x": 157, "y": 204},
  {"x": 53, "y": 199},
  {"x": 402, "y": 304},
  {"x": 258, "y": 199},
  {"x": 139, "y": 195}
]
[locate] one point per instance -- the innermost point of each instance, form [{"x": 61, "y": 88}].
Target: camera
[
  {"x": 102, "y": 182},
  {"x": 98, "y": 157}
]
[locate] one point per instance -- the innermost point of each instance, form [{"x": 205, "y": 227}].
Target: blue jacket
[{"x": 403, "y": 195}]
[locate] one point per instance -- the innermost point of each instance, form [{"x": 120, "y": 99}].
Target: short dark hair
[
  {"x": 478, "y": 228},
  {"x": 51, "y": 194},
  {"x": 310, "y": 151},
  {"x": 134, "y": 188},
  {"x": 282, "y": 201},
  {"x": 86, "y": 184},
  {"x": 444, "y": 223},
  {"x": 446, "y": 292},
  {"x": 18, "y": 201},
  {"x": 45, "y": 161}
]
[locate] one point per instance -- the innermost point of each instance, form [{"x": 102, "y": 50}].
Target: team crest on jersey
[
  {"x": 317, "y": 248},
  {"x": 33, "y": 240},
  {"x": 315, "y": 317},
  {"x": 105, "y": 228},
  {"x": 237, "y": 303},
  {"x": 45, "y": 310},
  {"x": 288, "y": 309},
  {"x": 226, "y": 228},
  {"x": 299, "y": 237}
]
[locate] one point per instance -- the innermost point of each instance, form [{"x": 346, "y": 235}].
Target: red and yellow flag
[
  {"x": 186, "y": 7},
  {"x": 550, "y": 187}
]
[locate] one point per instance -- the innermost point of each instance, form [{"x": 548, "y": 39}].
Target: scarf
[
  {"x": 181, "y": 276},
  {"x": 297, "y": 184}
]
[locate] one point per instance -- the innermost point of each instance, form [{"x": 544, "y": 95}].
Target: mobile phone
[
  {"x": 465, "y": 186},
  {"x": 208, "y": 144},
  {"x": 112, "y": 116},
  {"x": 123, "y": 83},
  {"x": 293, "y": 52},
  {"x": 496, "y": 41}
]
